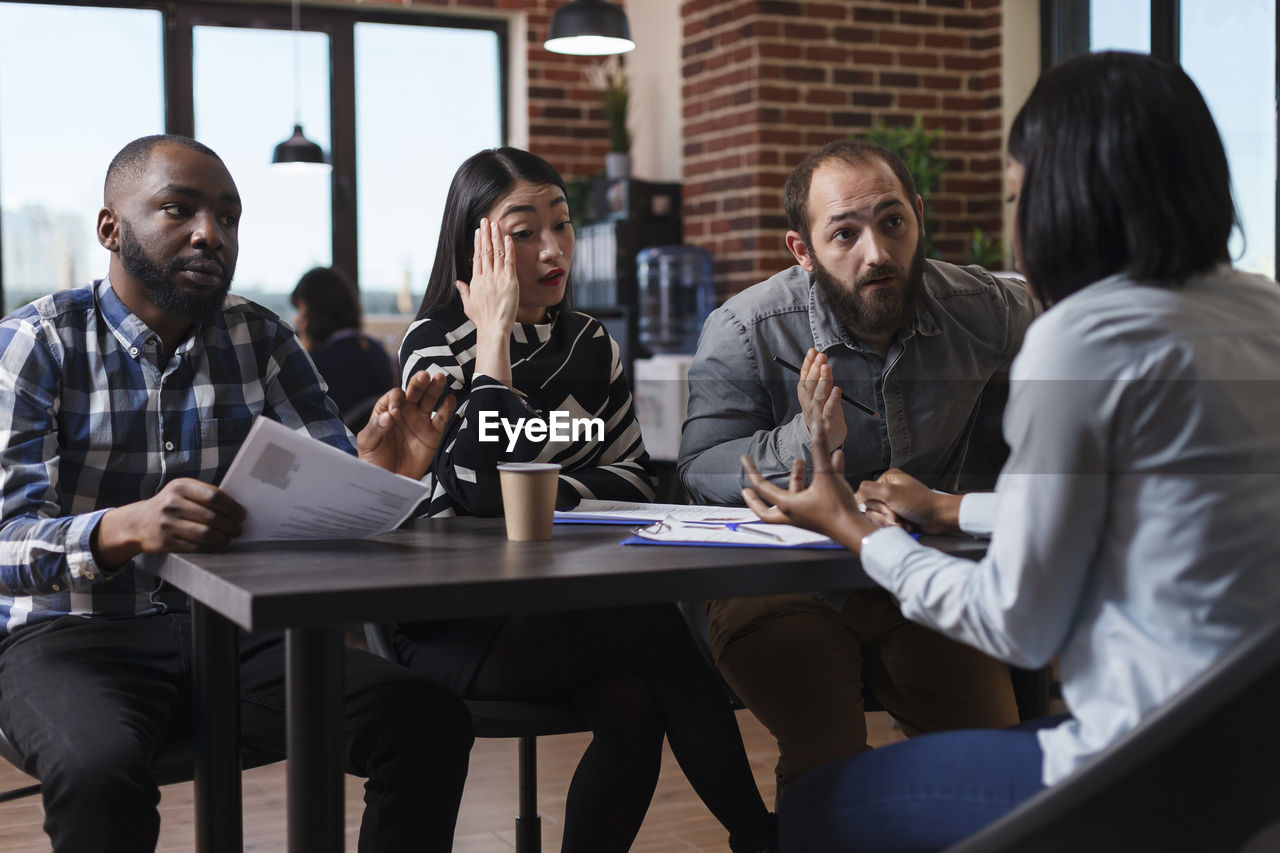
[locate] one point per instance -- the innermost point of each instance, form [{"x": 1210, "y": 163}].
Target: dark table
[{"x": 431, "y": 569}]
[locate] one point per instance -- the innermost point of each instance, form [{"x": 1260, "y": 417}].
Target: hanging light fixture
[
  {"x": 298, "y": 152},
  {"x": 589, "y": 28}
]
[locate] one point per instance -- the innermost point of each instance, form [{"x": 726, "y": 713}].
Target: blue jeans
[{"x": 923, "y": 794}]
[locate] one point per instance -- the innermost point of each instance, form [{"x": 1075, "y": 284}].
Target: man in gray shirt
[{"x": 914, "y": 340}]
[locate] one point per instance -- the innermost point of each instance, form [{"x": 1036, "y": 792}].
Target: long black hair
[
  {"x": 478, "y": 185},
  {"x": 1124, "y": 172}
]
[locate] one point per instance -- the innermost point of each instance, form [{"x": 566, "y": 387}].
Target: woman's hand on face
[
  {"x": 492, "y": 297},
  {"x": 827, "y": 505}
]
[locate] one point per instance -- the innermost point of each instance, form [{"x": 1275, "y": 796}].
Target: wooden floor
[{"x": 677, "y": 821}]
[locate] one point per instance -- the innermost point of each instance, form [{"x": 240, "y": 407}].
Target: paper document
[
  {"x": 733, "y": 534},
  {"x": 627, "y": 512},
  {"x": 295, "y": 487}
]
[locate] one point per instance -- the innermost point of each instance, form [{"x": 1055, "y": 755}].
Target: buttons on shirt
[
  {"x": 168, "y": 445},
  {"x": 133, "y": 350}
]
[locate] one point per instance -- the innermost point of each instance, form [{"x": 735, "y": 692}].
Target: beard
[
  {"x": 877, "y": 312},
  {"x": 157, "y": 279}
]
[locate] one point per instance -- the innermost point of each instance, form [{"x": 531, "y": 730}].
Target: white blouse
[{"x": 1136, "y": 526}]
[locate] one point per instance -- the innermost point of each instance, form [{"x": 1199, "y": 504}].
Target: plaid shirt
[{"x": 94, "y": 416}]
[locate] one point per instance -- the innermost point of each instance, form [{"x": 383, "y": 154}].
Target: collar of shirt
[{"x": 128, "y": 328}]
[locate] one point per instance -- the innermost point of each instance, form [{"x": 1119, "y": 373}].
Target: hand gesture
[
  {"x": 820, "y": 399},
  {"x": 405, "y": 429},
  {"x": 186, "y": 515},
  {"x": 827, "y": 505},
  {"x": 493, "y": 296},
  {"x": 899, "y": 497}
]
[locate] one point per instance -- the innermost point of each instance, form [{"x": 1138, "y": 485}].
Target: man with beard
[
  {"x": 122, "y": 404},
  {"x": 866, "y": 316}
]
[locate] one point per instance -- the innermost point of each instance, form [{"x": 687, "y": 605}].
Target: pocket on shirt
[{"x": 224, "y": 433}]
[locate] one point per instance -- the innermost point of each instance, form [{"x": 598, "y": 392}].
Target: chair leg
[
  {"x": 528, "y": 821},
  {"x": 19, "y": 793}
]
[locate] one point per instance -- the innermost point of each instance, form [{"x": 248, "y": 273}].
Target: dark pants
[
  {"x": 89, "y": 701},
  {"x": 917, "y": 796},
  {"x": 801, "y": 666}
]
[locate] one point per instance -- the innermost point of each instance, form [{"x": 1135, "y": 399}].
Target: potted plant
[{"x": 611, "y": 79}]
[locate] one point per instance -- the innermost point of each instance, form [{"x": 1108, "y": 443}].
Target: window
[
  {"x": 288, "y": 223},
  {"x": 58, "y": 134},
  {"x": 378, "y": 91},
  {"x": 1230, "y": 51},
  {"x": 412, "y": 133}
]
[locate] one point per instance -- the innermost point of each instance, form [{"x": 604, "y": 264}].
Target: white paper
[
  {"x": 758, "y": 535},
  {"x": 627, "y": 512},
  {"x": 295, "y": 487}
]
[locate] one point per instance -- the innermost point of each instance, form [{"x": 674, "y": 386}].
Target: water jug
[{"x": 676, "y": 292}]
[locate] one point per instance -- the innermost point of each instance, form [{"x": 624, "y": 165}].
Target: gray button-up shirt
[{"x": 967, "y": 327}]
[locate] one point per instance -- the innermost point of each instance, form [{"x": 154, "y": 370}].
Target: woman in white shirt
[{"x": 1134, "y": 525}]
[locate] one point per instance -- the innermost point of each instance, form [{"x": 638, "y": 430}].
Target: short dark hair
[
  {"x": 795, "y": 194},
  {"x": 133, "y": 158},
  {"x": 480, "y": 182},
  {"x": 1124, "y": 171},
  {"x": 333, "y": 303}
]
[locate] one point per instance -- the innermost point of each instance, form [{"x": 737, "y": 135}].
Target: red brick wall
[
  {"x": 767, "y": 81},
  {"x": 566, "y": 121}
]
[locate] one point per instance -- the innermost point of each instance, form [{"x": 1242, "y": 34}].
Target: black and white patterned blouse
[{"x": 566, "y": 368}]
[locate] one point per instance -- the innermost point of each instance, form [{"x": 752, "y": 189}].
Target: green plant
[
  {"x": 985, "y": 250},
  {"x": 914, "y": 143},
  {"x": 611, "y": 79}
]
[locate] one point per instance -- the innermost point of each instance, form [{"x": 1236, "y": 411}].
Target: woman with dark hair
[
  {"x": 1133, "y": 527},
  {"x": 355, "y": 365},
  {"x": 494, "y": 320}
]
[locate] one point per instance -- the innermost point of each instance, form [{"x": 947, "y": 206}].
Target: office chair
[
  {"x": 1200, "y": 775},
  {"x": 173, "y": 764},
  {"x": 501, "y": 719}
]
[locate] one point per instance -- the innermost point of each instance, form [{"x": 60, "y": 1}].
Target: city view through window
[{"x": 58, "y": 133}]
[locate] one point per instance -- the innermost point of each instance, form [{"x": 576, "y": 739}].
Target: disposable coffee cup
[{"x": 529, "y": 499}]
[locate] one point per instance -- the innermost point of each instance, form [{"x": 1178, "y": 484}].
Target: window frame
[
  {"x": 1064, "y": 32},
  {"x": 180, "y": 19}
]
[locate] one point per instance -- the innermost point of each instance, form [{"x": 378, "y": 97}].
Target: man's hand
[
  {"x": 898, "y": 495},
  {"x": 820, "y": 399},
  {"x": 186, "y": 515},
  {"x": 827, "y": 505},
  {"x": 404, "y": 430}
]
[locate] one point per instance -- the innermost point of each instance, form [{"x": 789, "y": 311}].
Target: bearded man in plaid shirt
[{"x": 122, "y": 403}]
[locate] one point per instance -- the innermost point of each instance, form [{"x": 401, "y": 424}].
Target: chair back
[{"x": 1200, "y": 774}]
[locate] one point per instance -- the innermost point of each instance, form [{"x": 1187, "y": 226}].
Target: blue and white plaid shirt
[{"x": 94, "y": 416}]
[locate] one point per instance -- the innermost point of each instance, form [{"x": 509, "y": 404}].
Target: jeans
[
  {"x": 88, "y": 700},
  {"x": 920, "y": 795}
]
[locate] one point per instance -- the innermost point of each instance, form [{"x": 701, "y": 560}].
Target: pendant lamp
[
  {"x": 589, "y": 28},
  {"x": 298, "y": 152}
]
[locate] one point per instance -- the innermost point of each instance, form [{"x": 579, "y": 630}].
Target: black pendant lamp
[
  {"x": 589, "y": 28},
  {"x": 297, "y": 151}
]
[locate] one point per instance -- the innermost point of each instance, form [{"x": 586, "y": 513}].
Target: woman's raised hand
[{"x": 492, "y": 297}]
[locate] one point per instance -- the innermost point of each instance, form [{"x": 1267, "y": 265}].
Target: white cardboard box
[{"x": 662, "y": 399}]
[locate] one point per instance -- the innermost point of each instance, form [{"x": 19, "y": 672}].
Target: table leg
[
  {"x": 315, "y": 739},
  {"x": 216, "y": 732}
]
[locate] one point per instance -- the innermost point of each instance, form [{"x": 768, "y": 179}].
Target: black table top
[{"x": 453, "y": 567}]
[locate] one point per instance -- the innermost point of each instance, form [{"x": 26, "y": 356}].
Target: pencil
[{"x": 843, "y": 396}]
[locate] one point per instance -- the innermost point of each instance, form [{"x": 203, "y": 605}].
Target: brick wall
[
  {"x": 566, "y": 121},
  {"x": 767, "y": 81}
]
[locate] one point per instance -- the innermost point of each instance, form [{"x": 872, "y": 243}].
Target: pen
[
  {"x": 739, "y": 527},
  {"x": 843, "y": 396}
]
